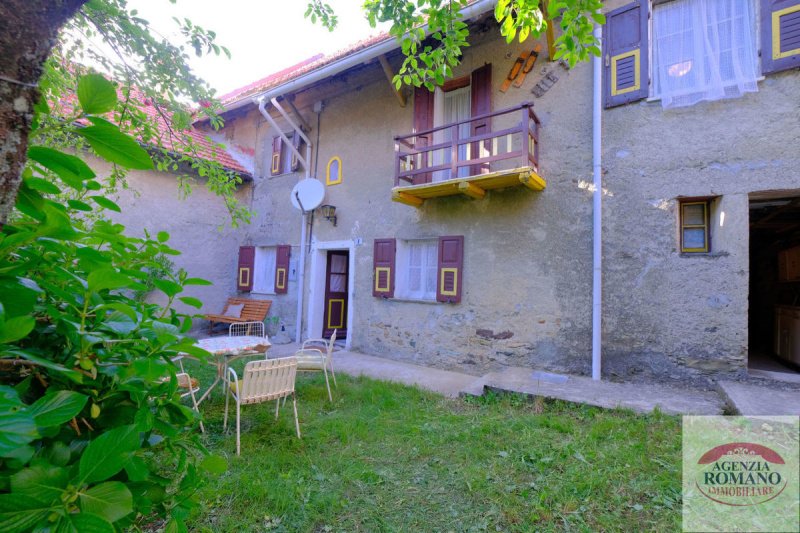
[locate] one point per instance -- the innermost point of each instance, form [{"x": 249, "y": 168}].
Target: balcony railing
[{"x": 469, "y": 148}]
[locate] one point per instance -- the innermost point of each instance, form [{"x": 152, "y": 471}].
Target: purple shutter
[
  {"x": 296, "y": 141},
  {"x": 481, "y": 94},
  {"x": 423, "y": 120},
  {"x": 780, "y": 35},
  {"x": 282, "y": 255},
  {"x": 450, "y": 275},
  {"x": 276, "y": 164},
  {"x": 244, "y": 273},
  {"x": 625, "y": 54},
  {"x": 383, "y": 268}
]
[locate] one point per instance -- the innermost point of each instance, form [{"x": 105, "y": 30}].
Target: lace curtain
[{"x": 704, "y": 50}]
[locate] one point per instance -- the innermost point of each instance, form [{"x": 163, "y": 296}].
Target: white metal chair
[
  {"x": 262, "y": 381},
  {"x": 252, "y": 329},
  {"x": 310, "y": 358},
  {"x": 189, "y": 384}
]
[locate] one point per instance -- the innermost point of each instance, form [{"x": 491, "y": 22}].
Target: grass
[{"x": 386, "y": 457}]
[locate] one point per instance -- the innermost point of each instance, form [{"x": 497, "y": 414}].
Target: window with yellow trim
[
  {"x": 417, "y": 264},
  {"x": 695, "y": 227},
  {"x": 333, "y": 174}
]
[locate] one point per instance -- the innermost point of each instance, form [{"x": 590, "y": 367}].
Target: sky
[{"x": 263, "y": 36}]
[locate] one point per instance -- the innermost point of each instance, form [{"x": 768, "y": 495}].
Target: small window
[
  {"x": 283, "y": 160},
  {"x": 333, "y": 175},
  {"x": 695, "y": 235},
  {"x": 704, "y": 50},
  {"x": 264, "y": 270},
  {"x": 417, "y": 263}
]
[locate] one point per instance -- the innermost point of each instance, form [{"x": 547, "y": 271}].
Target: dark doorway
[
  {"x": 336, "y": 285},
  {"x": 774, "y": 314}
]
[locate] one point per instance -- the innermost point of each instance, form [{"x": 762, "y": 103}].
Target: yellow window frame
[
  {"x": 333, "y": 180},
  {"x": 330, "y": 312},
  {"x": 637, "y": 67},
  {"x": 776, "y": 33},
  {"x": 243, "y": 282},
  {"x": 705, "y": 226},
  {"x": 378, "y": 287},
  {"x": 442, "y": 273}
]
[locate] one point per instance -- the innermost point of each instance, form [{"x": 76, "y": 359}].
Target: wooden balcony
[{"x": 468, "y": 158}]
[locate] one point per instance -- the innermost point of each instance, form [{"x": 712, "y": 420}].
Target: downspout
[
  {"x": 262, "y": 102},
  {"x": 597, "y": 213}
]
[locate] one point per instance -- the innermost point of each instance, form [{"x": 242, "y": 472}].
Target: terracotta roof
[
  {"x": 295, "y": 71},
  {"x": 236, "y": 158}
]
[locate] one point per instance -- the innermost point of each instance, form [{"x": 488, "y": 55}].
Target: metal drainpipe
[
  {"x": 304, "y": 222},
  {"x": 597, "y": 213}
]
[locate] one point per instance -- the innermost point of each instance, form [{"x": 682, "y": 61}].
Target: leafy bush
[{"x": 93, "y": 435}]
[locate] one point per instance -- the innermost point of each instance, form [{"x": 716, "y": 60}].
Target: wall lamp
[{"x": 329, "y": 212}]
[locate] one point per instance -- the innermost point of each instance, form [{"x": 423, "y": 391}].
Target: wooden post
[{"x": 387, "y": 69}]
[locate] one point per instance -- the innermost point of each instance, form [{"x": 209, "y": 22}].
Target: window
[
  {"x": 283, "y": 160},
  {"x": 694, "y": 220},
  {"x": 417, "y": 267},
  {"x": 264, "y": 270},
  {"x": 704, "y": 50}
]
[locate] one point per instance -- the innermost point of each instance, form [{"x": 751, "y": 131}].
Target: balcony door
[
  {"x": 450, "y": 107},
  {"x": 456, "y": 100}
]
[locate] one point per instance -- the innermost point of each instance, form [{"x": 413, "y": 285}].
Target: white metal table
[{"x": 228, "y": 349}]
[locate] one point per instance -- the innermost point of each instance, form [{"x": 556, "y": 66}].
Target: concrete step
[
  {"x": 639, "y": 397},
  {"x": 757, "y": 400}
]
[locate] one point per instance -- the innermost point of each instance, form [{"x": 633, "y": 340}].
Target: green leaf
[
  {"x": 137, "y": 469},
  {"x": 111, "y": 500},
  {"x": 170, "y": 288},
  {"x": 72, "y": 170},
  {"x": 45, "y": 484},
  {"x": 84, "y": 523},
  {"x": 20, "y": 513},
  {"x": 194, "y": 302},
  {"x": 38, "y": 184},
  {"x": 80, "y": 206},
  {"x": 196, "y": 281},
  {"x": 16, "y": 328},
  {"x": 108, "y": 454},
  {"x": 102, "y": 201},
  {"x": 113, "y": 145},
  {"x": 214, "y": 464},
  {"x": 58, "y": 407},
  {"x": 96, "y": 94},
  {"x": 163, "y": 236},
  {"x": 107, "y": 278}
]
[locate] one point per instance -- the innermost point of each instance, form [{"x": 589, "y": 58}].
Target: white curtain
[
  {"x": 455, "y": 106},
  {"x": 422, "y": 268},
  {"x": 264, "y": 267},
  {"x": 703, "y": 50}
]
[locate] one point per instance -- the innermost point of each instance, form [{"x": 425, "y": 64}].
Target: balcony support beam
[
  {"x": 532, "y": 181},
  {"x": 387, "y": 69},
  {"x": 471, "y": 190},
  {"x": 408, "y": 199}
]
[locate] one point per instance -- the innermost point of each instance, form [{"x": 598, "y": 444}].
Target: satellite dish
[{"x": 308, "y": 194}]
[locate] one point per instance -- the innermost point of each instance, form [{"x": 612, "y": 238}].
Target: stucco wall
[
  {"x": 199, "y": 226},
  {"x": 527, "y": 264},
  {"x": 667, "y": 313}
]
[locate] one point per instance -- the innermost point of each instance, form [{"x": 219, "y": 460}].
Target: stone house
[{"x": 457, "y": 228}]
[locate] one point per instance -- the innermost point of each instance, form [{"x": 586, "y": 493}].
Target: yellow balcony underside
[{"x": 472, "y": 186}]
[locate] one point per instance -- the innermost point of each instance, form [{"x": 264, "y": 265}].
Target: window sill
[
  {"x": 651, "y": 99},
  {"x": 259, "y": 293},
  {"x": 705, "y": 255},
  {"x": 412, "y": 301}
]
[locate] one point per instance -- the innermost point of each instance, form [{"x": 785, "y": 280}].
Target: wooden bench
[{"x": 253, "y": 311}]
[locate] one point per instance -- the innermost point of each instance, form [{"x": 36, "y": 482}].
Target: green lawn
[{"x": 386, "y": 457}]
